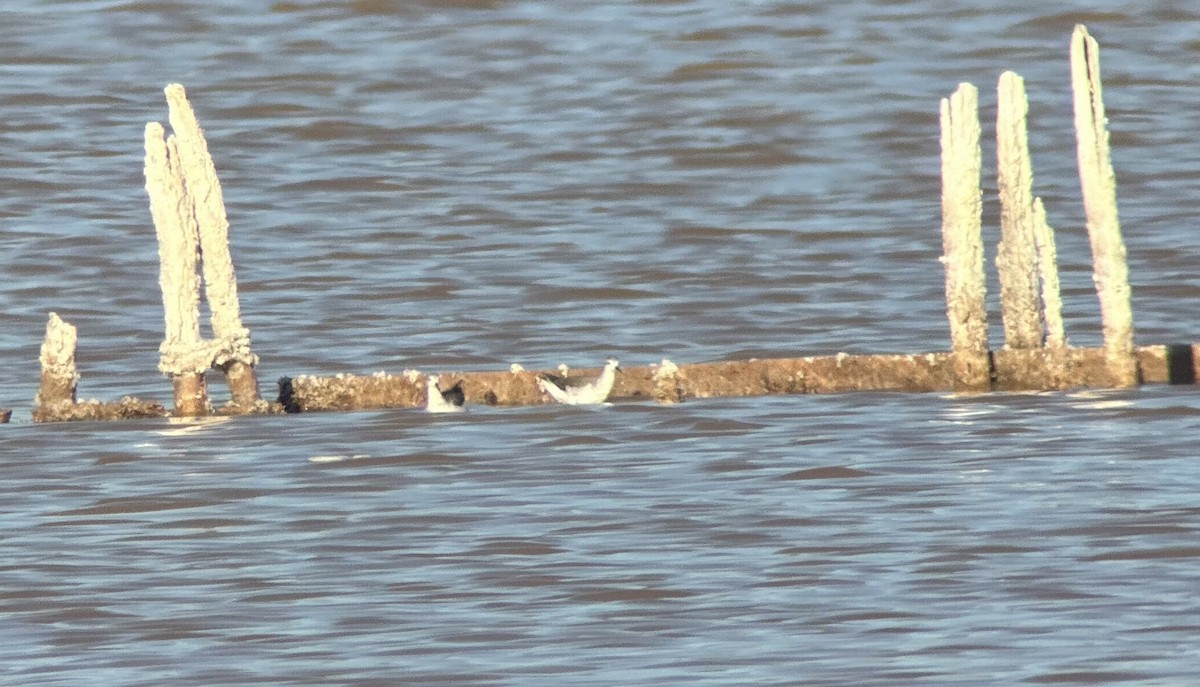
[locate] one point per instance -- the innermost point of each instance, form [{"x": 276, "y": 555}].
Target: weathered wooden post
[
  {"x": 59, "y": 376},
  {"x": 184, "y": 357},
  {"x": 668, "y": 383},
  {"x": 1016, "y": 254},
  {"x": 1099, "y": 186},
  {"x": 232, "y": 352},
  {"x": 1047, "y": 259},
  {"x": 1058, "y": 355},
  {"x": 962, "y": 238}
]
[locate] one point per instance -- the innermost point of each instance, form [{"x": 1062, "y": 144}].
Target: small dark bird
[{"x": 449, "y": 401}]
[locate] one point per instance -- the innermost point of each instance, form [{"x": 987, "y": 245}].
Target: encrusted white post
[
  {"x": 232, "y": 352},
  {"x": 1047, "y": 258},
  {"x": 668, "y": 382},
  {"x": 962, "y": 238},
  {"x": 183, "y": 355},
  {"x": 59, "y": 376},
  {"x": 1099, "y": 185},
  {"x": 1016, "y": 255}
]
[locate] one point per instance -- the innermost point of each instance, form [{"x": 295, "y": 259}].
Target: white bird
[
  {"x": 575, "y": 392},
  {"x": 449, "y": 401}
]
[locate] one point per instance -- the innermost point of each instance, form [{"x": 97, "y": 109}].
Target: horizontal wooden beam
[{"x": 1013, "y": 370}]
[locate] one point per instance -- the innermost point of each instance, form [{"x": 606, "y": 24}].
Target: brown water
[{"x": 465, "y": 185}]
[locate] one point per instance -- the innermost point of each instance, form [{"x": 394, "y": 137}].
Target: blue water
[{"x": 1042, "y": 538}]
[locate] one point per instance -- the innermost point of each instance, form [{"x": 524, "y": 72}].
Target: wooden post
[
  {"x": 1057, "y": 358},
  {"x": 232, "y": 352},
  {"x": 1047, "y": 260},
  {"x": 1016, "y": 254},
  {"x": 962, "y": 238},
  {"x": 668, "y": 382},
  {"x": 59, "y": 376},
  {"x": 183, "y": 355},
  {"x": 1099, "y": 186}
]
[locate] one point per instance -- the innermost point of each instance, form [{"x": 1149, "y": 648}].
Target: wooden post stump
[
  {"x": 669, "y": 382},
  {"x": 60, "y": 378}
]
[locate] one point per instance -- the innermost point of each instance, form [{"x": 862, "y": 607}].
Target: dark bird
[{"x": 449, "y": 401}]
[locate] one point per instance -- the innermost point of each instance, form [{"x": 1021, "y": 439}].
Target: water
[{"x": 466, "y": 185}]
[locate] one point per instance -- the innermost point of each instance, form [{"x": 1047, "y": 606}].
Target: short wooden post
[
  {"x": 962, "y": 238},
  {"x": 1099, "y": 186},
  {"x": 232, "y": 352},
  {"x": 183, "y": 355},
  {"x": 59, "y": 376},
  {"x": 668, "y": 382},
  {"x": 1016, "y": 254},
  {"x": 1047, "y": 260}
]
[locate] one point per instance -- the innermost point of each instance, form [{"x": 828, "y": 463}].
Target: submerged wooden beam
[
  {"x": 127, "y": 408},
  {"x": 1015, "y": 369}
]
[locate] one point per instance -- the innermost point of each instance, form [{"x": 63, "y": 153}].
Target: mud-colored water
[{"x": 465, "y": 185}]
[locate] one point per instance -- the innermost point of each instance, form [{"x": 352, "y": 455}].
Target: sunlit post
[
  {"x": 184, "y": 357},
  {"x": 962, "y": 240},
  {"x": 59, "y": 376},
  {"x": 1099, "y": 186},
  {"x": 232, "y": 352},
  {"x": 1016, "y": 254}
]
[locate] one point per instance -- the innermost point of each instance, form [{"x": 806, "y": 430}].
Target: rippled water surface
[{"x": 463, "y": 185}]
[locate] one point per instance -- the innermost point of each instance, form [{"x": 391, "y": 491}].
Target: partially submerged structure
[{"x": 189, "y": 216}]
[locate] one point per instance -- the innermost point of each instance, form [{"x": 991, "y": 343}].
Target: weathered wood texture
[
  {"x": 183, "y": 355},
  {"x": 188, "y": 209},
  {"x": 1016, "y": 256},
  {"x": 962, "y": 237},
  {"x": 56, "y": 397},
  {"x": 1015, "y": 370},
  {"x": 1099, "y": 186},
  {"x": 1047, "y": 257},
  {"x": 59, "y": 376},
  {"x": 231, "y": 352},
  {"x": 128, "y": 408}
]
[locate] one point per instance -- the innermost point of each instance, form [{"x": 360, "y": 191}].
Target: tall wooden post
[
  {"x": 232, "y": 352},
  {"x": 1099, "y": 186},
  {"x": 184, "y": 357},
  {"x": 1016, "y": 254},
  {"x": 962, "y": 238}
]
